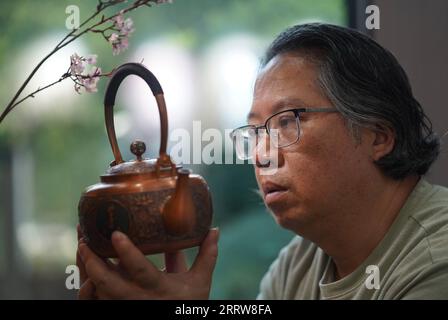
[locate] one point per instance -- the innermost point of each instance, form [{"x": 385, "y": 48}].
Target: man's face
[{"x": 318, "y": 176}]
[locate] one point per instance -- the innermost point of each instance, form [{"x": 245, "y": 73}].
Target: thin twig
[{"x": 31, "y": 95}]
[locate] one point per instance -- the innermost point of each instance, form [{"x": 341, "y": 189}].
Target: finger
[
  {"x": 175, "y": 262},
  {"x": 79, "y": 263},
  {"x": 81, "y": 267},
  {"x": 78, "y": 230},
  {"x": 118, "y": 267},
  {"x": 87, "y": 291},
  {"x": 208, "y": 254},
  {"x": 108, "y": 283},
  {"x": 133, "y": 261}
]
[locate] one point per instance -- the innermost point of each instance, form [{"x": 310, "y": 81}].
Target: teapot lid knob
[{"x": 138, "y": 148}]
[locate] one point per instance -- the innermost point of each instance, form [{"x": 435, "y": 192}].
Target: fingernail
[
  {"x": 118, "y": 235},
  {"x": 216, "y": 232}
]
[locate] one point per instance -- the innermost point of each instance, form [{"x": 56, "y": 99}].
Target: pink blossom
[
  {"x": 127, "y": 27},
  {"x": 78, "y": 73},
  {"x": 76, "y": 64},
  {"x": 124, "y": 43},
  {"x": 119, "y": 39},
  {"x": 119, "y": 20},
  {"x": 113, "y": 38},
  {"x": 120, "y": 45},
  {"x": 91, "y": 80},
  {"x": 78, "y": 88},
  {"x": 91, "y": 59}
]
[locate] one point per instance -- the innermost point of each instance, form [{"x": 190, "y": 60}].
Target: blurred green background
[{"x": 53, "y": 146}]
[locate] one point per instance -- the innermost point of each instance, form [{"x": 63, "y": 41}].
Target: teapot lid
[{"x": 141, "y": 165}]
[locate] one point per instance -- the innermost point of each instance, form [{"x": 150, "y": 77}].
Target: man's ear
[{"x": 383, "y": 142}]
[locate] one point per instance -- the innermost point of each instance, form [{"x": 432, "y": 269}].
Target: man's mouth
[{"x": 273, "y": 192}]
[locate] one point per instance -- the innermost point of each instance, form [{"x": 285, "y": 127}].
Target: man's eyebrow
[{"x": 281, "y": 104}]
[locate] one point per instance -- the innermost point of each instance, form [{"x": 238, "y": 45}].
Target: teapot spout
[{"x": 179, "y": 212}]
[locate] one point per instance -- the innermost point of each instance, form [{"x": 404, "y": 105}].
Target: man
[{"x": 351, "y": 146}]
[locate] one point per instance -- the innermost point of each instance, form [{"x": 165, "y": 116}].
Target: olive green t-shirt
[{"x": 410, "y": 262}]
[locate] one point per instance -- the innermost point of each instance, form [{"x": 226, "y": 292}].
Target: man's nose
[{"x": 262, "y": 151}]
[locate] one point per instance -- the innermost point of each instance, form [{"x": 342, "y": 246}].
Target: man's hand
[
  {"x": 134, "y": 277},
  {"x": 87, "y": 289}
]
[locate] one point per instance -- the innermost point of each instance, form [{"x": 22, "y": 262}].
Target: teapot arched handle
[{"x": 109, "y": 100}]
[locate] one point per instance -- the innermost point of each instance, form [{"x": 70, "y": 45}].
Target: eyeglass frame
[{"x": 296, "y": 112}]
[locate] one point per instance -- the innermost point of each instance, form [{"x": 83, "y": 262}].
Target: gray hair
[{"x": 370, "y": 89}]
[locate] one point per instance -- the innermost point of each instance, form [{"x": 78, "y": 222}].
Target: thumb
[{"x": 208, "y": 253}]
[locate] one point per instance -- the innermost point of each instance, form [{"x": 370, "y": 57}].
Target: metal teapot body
[{"x": 160, "y": 206}]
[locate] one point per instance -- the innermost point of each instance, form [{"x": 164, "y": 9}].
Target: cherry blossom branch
[
  {"x": 118, "y": 40},
  {"x": 78, "y": 79},
  {"x": 101, "y": 6}
]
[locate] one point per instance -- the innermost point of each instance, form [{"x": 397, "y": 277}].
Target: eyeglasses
[{"x": 283, "y": 129}]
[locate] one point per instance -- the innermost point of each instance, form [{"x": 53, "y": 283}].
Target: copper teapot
[{"x": 161, "y": 206}]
